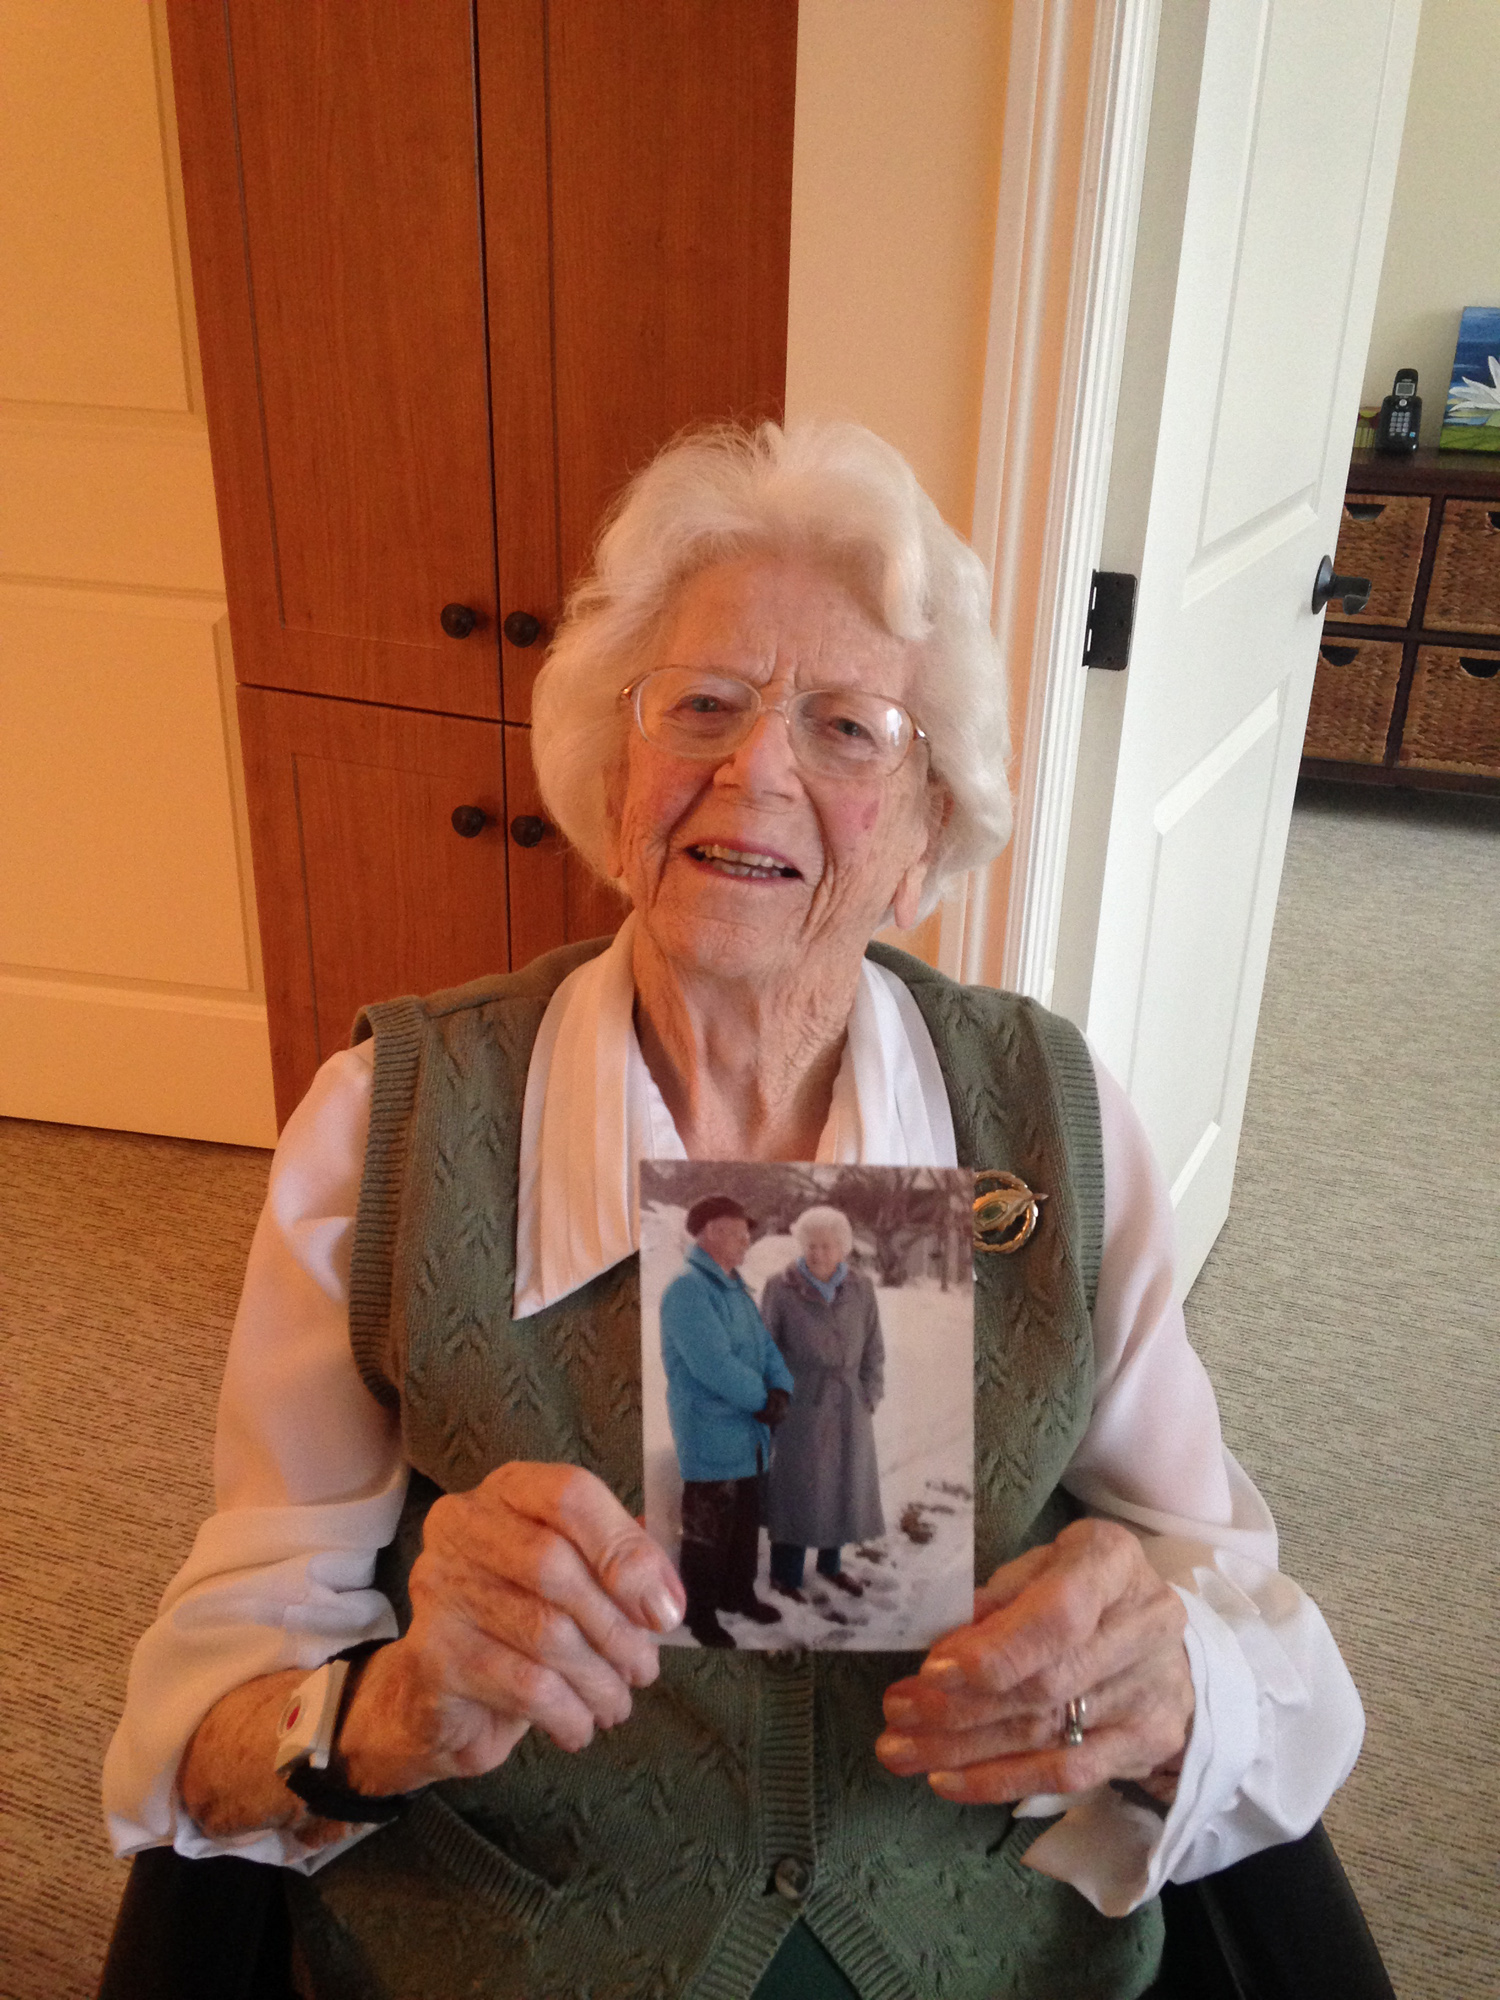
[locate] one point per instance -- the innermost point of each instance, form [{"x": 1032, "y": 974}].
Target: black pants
[{"x": 720, "y": 1544}]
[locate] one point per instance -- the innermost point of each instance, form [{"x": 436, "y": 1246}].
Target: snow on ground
[{"x": 919, "y": 1576}]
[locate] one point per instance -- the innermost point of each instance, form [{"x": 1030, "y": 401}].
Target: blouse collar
[{"x": 592, "y": 1111}]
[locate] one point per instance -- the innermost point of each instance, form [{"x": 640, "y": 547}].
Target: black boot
[
  {"x": 701, "y": 1569},
  {"x": 706, "y": 1629},
  {"x": 763, "y": 1614}
]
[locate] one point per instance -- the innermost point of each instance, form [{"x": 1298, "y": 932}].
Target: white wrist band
[{"x": 305, "y": 1731}]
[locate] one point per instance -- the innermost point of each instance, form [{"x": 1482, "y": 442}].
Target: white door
[
  {"x": 1272, "y": 155},
  {"x": 131, "y": 992}
]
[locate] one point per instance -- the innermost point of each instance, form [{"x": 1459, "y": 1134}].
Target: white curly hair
[
  {"x": 833, "y": 491},
  {"x": 823, "y": 1218}
]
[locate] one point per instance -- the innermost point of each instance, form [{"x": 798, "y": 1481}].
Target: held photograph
[{"x": 807, "y": 1364}]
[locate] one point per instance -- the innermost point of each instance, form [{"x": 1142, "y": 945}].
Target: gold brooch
[{"x": 1006, "y": 1213}]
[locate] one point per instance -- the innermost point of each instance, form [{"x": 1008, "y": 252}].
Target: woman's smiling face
[
  {"x": 753, "y": 864},
  {"x": 823, "y": 1249}
]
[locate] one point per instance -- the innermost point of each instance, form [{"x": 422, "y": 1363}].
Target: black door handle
[
  {"x": 526, "y": 830},
  {"x": 1354, "y": 590},
  {"x": 522, "y": 629},
  {"x": 458, "y": 620},
  {"x": 470, "y": 821}
]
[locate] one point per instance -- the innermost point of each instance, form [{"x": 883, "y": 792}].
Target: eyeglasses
[{"x": 838, "y": 732}]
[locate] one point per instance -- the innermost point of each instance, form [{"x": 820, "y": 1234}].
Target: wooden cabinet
[
  {"x": 460, "y": 269},
  {"x": 1408, "y": 690}
]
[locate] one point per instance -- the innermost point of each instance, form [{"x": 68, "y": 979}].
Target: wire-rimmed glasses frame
[{"x": 838, "y": 732}]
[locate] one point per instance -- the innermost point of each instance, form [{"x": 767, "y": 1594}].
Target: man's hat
[{"x": 710, "y": 1207}]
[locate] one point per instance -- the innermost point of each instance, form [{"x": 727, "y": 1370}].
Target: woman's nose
[{"x": 764, "y": 761}]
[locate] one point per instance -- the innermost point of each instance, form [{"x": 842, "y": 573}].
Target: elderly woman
[
  {"x": 825, "y": 1483},
  {"x": 775, "y": 716},
  {"x": 727, "y": 1390}
]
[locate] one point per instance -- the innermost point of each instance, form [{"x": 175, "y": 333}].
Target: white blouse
[{"x": 309, "y": 1475}]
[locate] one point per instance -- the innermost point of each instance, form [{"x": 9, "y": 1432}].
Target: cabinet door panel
[
  {"x": 517, "y": 249},
  {"x": 365, "y": 889},
  {"x": 671, "y": 176},
  {"x": 331, "y": 165},
  {"x": 554, "y": 898}
]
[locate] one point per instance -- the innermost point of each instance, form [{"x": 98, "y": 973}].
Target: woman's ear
[{"x": 908, "y": 897}]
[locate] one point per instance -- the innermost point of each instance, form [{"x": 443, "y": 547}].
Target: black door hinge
[{"x": 1111, "y": 621}]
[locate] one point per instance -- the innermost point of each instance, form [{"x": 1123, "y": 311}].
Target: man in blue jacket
[{"x": 727, "y": 1389}]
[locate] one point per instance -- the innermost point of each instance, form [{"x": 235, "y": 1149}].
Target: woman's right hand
[{"x": 534, "y": 1601}]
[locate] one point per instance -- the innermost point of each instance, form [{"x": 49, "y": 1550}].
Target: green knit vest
[{"x": 643, "y": 1865}]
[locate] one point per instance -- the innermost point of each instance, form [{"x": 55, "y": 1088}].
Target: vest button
[{"x": 793, "y": 1878}]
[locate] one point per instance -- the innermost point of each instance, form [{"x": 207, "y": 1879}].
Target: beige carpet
[
  {"x": 1348, "y": 1315},
  {"x": 120, "y": 1267}
]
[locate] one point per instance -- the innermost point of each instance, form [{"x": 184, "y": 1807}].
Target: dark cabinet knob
[
  {"x": 469, "y": 821},
  {"x": 526, "y": 830},
  {"x": 458, "y": 620},
  {"x": 1354, "y": 590},
  {"x": 522, "y": 629}
]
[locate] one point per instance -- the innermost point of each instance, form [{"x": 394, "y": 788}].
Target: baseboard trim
[{"x": 134, "y": 1060}]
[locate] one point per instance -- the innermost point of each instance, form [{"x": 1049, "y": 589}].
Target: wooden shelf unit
[{"x": 1442, "y": 703}]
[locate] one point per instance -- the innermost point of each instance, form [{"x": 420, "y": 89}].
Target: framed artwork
[{"x": 1471, "y": 420}]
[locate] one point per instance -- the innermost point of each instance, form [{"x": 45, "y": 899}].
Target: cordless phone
[{"x": 1399, "y": 424}]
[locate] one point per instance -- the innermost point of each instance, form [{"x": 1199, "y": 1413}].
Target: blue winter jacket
[{"x": 720, "y": 1361}]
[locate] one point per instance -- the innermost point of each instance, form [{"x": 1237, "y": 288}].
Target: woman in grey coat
[{"x": 824, "y": 1483}]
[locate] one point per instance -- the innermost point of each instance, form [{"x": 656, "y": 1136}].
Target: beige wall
[
  {"x": 895, "y": 183},
  {"x": 1443, "y": 250},
  {"x": 894, "y": 189},
  {"x": 130, "y": 989}
]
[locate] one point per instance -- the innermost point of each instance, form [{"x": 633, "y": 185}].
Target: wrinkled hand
[
  {"x": 534, "y": 1600},
  {"x": 1085, "y": 1615},
  {"x": 778, "y": 1402}
]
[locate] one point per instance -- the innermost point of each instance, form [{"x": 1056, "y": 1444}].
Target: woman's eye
[
  {"x": 851, "y": 727},
  {"x": 699, "y": 705},
  {"x": 848, "y": 731}
]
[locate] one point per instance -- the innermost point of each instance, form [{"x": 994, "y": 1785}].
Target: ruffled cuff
[{"x": 1118, "y": 1853}]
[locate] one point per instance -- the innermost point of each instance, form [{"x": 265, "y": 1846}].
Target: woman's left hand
[{"x": 1083, "y": 1617}]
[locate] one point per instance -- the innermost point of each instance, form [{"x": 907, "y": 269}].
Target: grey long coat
[{"x": 825, "y": 1485}]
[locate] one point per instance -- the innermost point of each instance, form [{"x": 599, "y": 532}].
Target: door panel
[
  {"x": 1300, "y": 214},
  {"x": 1207, "y": 860},
  {"x": 365, "y": 888},
  {"x": 344, "y": 340},
  {"x": 1269, "y": 236},
  {"x": 671, "y": 191},
  {"x": 512, "y": 40}
]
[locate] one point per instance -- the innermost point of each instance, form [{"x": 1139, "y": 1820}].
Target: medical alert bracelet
[{"x": 305, "y": 1741}]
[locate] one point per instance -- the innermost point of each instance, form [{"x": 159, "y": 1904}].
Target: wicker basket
[
  {"x": 1464, "y": 592},
  {"x": 1453, "y": 716},
  {"x": 1353, "y": 696},
  {"x": 1380, "y": 536}
]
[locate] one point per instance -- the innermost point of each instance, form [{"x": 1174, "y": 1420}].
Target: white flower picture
[
  {"x": 1471, "y": 421},
  {"x": 1471, "y": 395}
]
